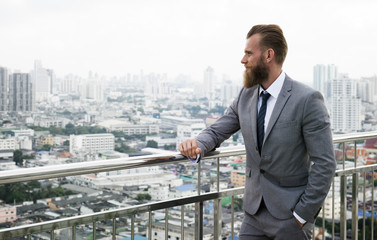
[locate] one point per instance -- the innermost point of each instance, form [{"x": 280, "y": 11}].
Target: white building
[
  {"x": 159, "y": 193},
  {"x": 366, "y": 89},
  {"x": 129, "y": 177},
  {"x": 9, "y": 143},
  {"x": 51, "y": 121},
  {"x": 171, "y": 123},
  {"x": 188, "y": 131},
  {"x": 91, "y": 143},
  {"x": 209, "y": 83},
  {"x": 322, "y": 77},
  {"x": 128, "y": 128},
  {"x": 346, "y": 106},
  {"x": 43, "y": 80}
]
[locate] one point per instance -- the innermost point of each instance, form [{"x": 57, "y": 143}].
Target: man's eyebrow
[{"x": 248, "y": 51}]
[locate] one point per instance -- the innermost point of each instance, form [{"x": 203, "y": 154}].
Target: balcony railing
[{"x": 344, "y": 197}]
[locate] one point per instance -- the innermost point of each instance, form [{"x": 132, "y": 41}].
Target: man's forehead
[{"x": 253, "y": 42}]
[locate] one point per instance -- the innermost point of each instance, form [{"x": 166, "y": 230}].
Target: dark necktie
[{"x": 260, "y": 120}]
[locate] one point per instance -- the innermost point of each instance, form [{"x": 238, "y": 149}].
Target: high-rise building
[
  {"x": 366, "y": 89},
  {"x": 3, "y": 89},
  {"x": 322, "y": 77},
  {"x": 346, "y": 106},
  {"x": 209, "y": 83},
  {"x": 42, "y": 78},
  {"x": 20, "y": 92}
]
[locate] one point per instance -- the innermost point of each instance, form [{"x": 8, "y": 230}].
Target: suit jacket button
[{"x": 262, "y": 171}]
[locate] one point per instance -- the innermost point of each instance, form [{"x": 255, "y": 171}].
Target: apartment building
[{"x": 91, "y": 143}]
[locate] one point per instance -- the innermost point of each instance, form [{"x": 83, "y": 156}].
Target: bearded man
[{"x": 289, "y": 150}]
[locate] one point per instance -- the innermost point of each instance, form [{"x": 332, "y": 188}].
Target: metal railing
[{"x": 339, "y": 225}]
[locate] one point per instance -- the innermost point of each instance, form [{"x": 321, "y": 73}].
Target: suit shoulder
[{"x": 303, "y": 89}]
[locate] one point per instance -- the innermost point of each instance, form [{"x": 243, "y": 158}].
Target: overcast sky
[{"x": 183, "y": 36}]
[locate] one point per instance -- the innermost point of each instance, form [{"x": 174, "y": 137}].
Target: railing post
[
  {"x": 150, "y": 225},
  {"x": 114, "y": 229},
  {"x": 74, "y": 232},
  {"x": 132, "y": 227},
  {"x": 217, "y": 206},
  {"x": 372, "y": 219},
  {"x": 343, "y": 207},
  {"x": 166, "y": 223},
  {"x": 199, "y": 220},
  {"x": 94, "y": 231},
  {"x": 197, "y": 206},
  {"x": 217, "y": 219},
  {"x": 355, "y": 205},
  {"x": 182, "y": 222},
  {"x": 232, "y": 228}
]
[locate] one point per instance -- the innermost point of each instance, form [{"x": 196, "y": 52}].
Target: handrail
[{"x": 71, "y": 169}]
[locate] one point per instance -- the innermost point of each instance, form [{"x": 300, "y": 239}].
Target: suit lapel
[
  {"x": 253, "y": 113},
  {"x": 283, "y": 97}
]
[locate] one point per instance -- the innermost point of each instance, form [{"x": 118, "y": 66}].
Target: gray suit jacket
[{"x": 296, "y": 165}]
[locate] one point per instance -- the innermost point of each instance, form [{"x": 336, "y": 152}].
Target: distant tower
[
  {"x": 346, "y": 106},
  {"x": 20, "y": 93},
  {"x": 209, "y": 83},
  {"x": 42, "y": 79},
  {"x": 322, "y": 77},
  {"x": 3, "y": 89}
]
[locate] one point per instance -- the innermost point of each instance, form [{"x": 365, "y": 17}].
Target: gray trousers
[{"x": 263, "y": 226}]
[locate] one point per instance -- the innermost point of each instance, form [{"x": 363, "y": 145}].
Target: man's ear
[{"x": 270, "y": 54}]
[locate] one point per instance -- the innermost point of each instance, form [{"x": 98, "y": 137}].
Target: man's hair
[{"x": 271, "y": 37}]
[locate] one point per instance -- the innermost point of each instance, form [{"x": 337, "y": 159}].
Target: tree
[
  {"x": 46, "y": 147},
  {"x": 70, "y": 129},
  {"x": 18, "y": 158},
  {"x": 152, "y": 144},
  {"x": 143, "y": 196},
  {"x": 66, "y": 143}
]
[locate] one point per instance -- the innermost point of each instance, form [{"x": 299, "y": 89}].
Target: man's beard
[{"x": 256, "y": 75}]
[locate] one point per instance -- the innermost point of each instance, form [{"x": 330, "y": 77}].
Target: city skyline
[{"x": 116, "y": 38}]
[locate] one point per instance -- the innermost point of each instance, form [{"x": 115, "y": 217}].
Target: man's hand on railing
[{"x": 189, "y": 148}]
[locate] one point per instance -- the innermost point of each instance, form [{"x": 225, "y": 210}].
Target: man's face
[{"x": 256, "y": 70}]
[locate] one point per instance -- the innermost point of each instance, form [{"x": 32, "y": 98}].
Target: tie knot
[{"x": 265, "y": 95}]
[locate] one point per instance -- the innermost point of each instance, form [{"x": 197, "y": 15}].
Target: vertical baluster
[
  {"x": 150, "y": 225},
  {"x": 94, "y": 231},
  {"x": 182, "y": 222},
  {"x": 166, "y": 223},
  {"x": 217, "y": 206},
  {"x": 218, "y": 175},
  {"x": 52, "y": 234},
  {"x": 343, "y": 207},
  {"x": 197, "y": 208},
  {"x": 355, "y": 205},
  {"x": 372, "y": 220},
  {"x": 364, "y": 199},
  {"x": 114, "y": 229},
  {"x": 232, "y": 211},
  {"x": 132, "y": 227},
  {"x": 74, "y": 232}
]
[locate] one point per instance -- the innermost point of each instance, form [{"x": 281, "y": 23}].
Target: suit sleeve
[
  {"x": 212, "y": 137},
  {"x": 319, "y": 144}
]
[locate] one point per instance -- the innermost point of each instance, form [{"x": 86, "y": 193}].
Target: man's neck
[{"x": 274, "y": 74}]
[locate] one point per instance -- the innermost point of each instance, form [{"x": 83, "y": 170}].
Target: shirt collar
[{"x": 275, "y": 87}]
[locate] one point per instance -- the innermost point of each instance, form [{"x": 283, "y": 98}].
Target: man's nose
[{"x": 244, "y": 60}]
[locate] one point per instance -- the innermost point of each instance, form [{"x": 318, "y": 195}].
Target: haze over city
[{"x": 173, "y": 37}]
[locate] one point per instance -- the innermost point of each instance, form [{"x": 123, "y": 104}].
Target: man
[{"x": 289, "y": 150}]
